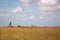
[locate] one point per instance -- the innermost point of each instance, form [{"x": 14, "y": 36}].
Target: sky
[{"x": 30, "y": 12}]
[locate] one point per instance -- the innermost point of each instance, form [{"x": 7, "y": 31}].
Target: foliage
[{"x": 19, "y": 26}]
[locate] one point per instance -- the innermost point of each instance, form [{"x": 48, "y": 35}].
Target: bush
[
  {"x": 19, "y": 26},
  {"x": 10, "y": 26},
  {"x": 33, "y": 26}
]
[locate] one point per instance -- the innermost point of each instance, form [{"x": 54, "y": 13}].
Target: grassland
[{"x": 42, "y": 33}]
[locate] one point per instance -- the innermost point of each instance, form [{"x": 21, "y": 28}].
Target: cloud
[
  {"x": 28, "y": 3},
  {"x": 40, "y": 17},
  {"x": 25, "y": 0},
  {"x": 48, "y": 7},
  {"x": 17, "y": 9},
  {"x": 25, "y": 3},
  {"x": 29, "y": 18},
  {"x": 24, "y": 19},
  {"x": 48, "y": 2},
  {"x": 8, "y": 13},
  {"x": 4, "y": 13},
  {"x": 32, "y": 17},
  {"x": 23, "y": 15}
]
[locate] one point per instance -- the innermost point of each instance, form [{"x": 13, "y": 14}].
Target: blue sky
[{"x": 30, "y": 12}]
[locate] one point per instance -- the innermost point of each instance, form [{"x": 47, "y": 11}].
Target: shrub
[{"x": 19, "y": 26}]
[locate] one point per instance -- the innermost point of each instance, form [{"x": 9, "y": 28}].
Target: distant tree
[
  {"x": 19, "y": 26},
  {"x": 11, "y": 26},
  {"x": 32, "y": 26}
]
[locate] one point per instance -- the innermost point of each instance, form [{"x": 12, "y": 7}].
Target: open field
[{"x": 41, "y": 33}]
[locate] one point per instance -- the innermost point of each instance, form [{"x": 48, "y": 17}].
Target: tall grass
[{"x": 42, "y": 33}]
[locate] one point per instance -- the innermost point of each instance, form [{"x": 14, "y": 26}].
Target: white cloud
[
  {"x": 18, "y": 9},
  {"x": 24, "y": 19},
  {"x": 48, "y": 2},
  {"x": 48, "y": 7},
  {"x": 32, "y": 17},
  {"x": 25, "y": 0},
  {"x": 25, "y": 3},
  {"x": 40, "y": 17},
  {"x": 23, "y": 15},
  {"x": 4, "y": 15},
  {"x": 8, "y": 13}
]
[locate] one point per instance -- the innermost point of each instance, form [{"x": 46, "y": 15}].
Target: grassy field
[{"x": 42, "y": 33}]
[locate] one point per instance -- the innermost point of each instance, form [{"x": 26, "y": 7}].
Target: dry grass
[{"x": 41, "y": 33}]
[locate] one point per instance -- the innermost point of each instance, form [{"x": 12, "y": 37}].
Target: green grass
[{"x": 48, "y": 33}]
